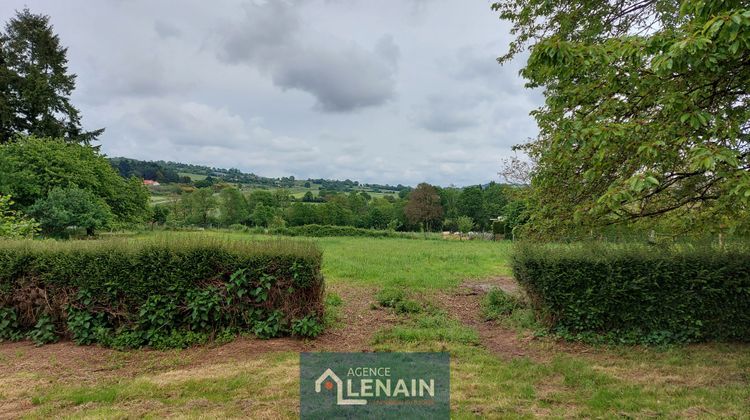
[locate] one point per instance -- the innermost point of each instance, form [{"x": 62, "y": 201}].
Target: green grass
[
  {"x": 415, "y": 264},
  {"x": 194, "y": 177},
  {"x": 703, "y": 381},
  {"x": 263, "y": 383},
  {"x": 395, "y": 262}
]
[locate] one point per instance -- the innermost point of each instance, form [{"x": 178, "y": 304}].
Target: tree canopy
[
  {"x": 35, "y": 85},
  {"x": 31, "y": 167},
  {"x": 646, "y": 119},
  {"x": 424, "y": 206},
  {"x": 71, "y": 207}
]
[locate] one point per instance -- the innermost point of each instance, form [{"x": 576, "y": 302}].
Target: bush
[
  {"x": 638, "y": 294},
  {"x": 159, "y": 292},
  {"x": 319, "y": 231},
  {"x": 307, "y": 327}
]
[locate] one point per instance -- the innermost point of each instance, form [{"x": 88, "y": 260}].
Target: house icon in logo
[{"x": 340, "y": 400}]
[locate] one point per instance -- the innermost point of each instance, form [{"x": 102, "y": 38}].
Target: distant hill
[{"x": 173, "y": 172}]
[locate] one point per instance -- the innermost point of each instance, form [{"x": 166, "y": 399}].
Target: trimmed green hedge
[
  {"x": 638, "y": 294},
  {"x": 318, "y": 231},
  {"x": 159, "y": 292}
]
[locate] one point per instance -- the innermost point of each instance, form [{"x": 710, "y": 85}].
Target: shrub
[
  {"x": 9, "y": 329},
  {"x": 307, "y": 327},
  {"x": 319, "y": 231},
  {"x": 159, "y": 292},
  {"x": 638, "y": 294},
  {"x": 44, "y": 331}
]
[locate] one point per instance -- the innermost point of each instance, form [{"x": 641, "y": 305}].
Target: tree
[
  {"x": 515, "y": 216},
  {"x": 495, "y": 199},
  {"x": 424, "y": 206},
  {"x": 308, "y": 197},
  {"x": 449, "y": 199},
  {"x": 232, "y": 207},
  {"x": 260, "y": 197},
  {"x": 380, "y": 214},
  {"x": 337, "y": 212},
  {"x": 303, "y": 214},
  {"x": 263, "y": 215},
  {"x": 31, "y": 167},
  {"x": 160, "y": 214},
  {"x": 535, "y": 21},
  {"x": 464, "y": 224},
  {"x": 35, "y": 85},
  {"x": 647, "y": 117},
  {"x": 71, "y": 207},
  {"x": 13, "y": 224},
  {"x": 198, "y": 206},
  {"x": 471, "y": 204}
]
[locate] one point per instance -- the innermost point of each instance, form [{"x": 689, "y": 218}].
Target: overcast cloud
[{"x": 393, "y": 91}]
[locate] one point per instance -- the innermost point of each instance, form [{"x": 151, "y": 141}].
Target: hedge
[
  {"x": 159, "y": 292},
  {"x": 638, "y": 293},
  {"x": 330, "y": 230}
]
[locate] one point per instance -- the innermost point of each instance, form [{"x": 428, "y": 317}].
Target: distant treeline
[
  {"x": 425, "y": 208},
  {"x": 168, "y": 172}
]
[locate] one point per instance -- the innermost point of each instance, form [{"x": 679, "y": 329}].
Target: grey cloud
[
  {"x": 449, "y": 113},
  {"x": 265, "y": 32},
  {"x": 388, "y": 49},
  {"x": 340, "y": 80},
  {"x": 480, "y": 64},
  {"x": 166, "y": 29},
  {"x": 341, "y": 76}
]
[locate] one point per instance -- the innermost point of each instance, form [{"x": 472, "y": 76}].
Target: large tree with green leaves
[
  {"x": 35, "y": 85},
  {"x": 424, "y": 207},
  {"x": 232, "y": 207},
  {"x": 646, "y": 119},
  {"x": 71, "y": 207},
  {"x": 31, "y": 167},
  {"x": 199, "y": 206}
]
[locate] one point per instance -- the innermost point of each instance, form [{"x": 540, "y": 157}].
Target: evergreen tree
[{"x": 35, "y": 85}]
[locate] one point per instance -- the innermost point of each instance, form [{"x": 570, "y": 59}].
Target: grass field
[{"x": 498, "y": 369}]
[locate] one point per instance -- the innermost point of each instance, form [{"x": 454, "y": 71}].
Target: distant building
[{"x": 150, "y": 182}]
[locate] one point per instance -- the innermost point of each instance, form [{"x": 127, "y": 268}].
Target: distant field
[{"x": 194, "y": 177}]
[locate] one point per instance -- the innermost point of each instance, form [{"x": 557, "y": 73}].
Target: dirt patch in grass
[
  {"x": 480, "y": 287},
  {"x": 464, "y": 303},
  {"x": 358, "y": 322}
]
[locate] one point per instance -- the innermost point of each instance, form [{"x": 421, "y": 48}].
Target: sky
[{"x": 387, "y": 91}]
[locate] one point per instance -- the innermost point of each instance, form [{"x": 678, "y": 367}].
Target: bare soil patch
[
  {"x": 480, "y": 287},
  {"x": 464, "y": 303}
]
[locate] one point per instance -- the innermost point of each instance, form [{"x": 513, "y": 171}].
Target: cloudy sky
[{"x": 388, "y": 91}]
